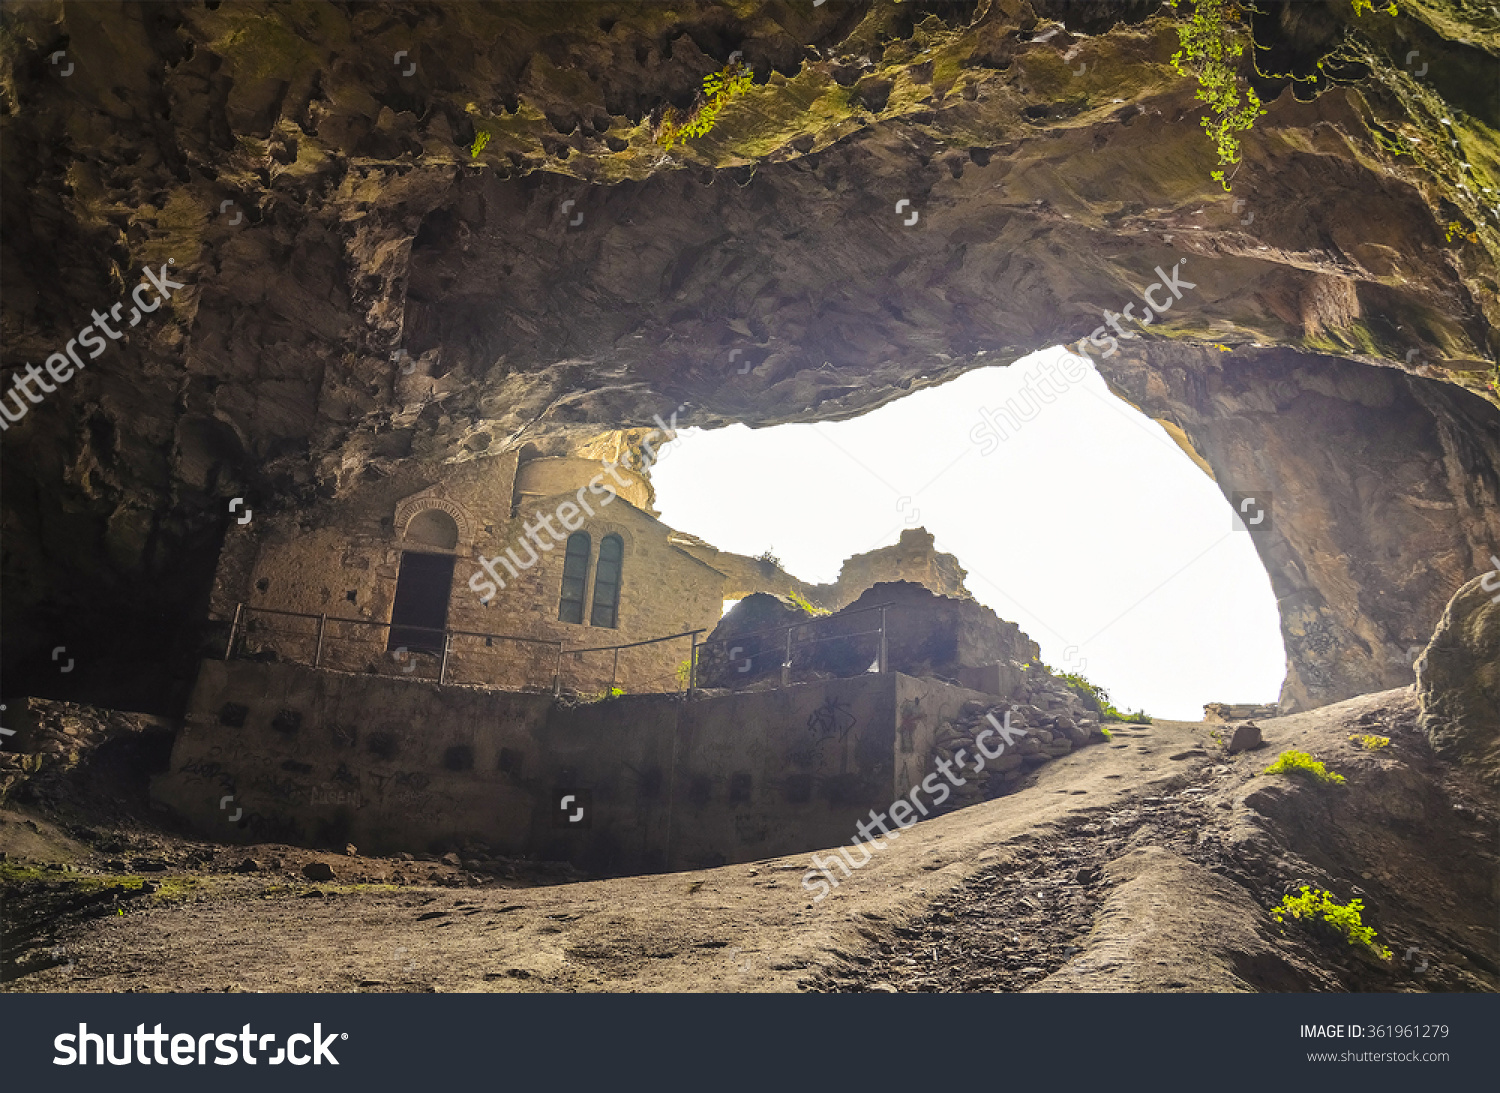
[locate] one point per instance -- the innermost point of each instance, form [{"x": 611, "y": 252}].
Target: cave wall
[
  {"x": 1384, "y": 496},
  {"x": 365, "y": 290}
]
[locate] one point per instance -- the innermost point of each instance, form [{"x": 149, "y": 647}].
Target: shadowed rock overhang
[{"x": 370, "y": 279}]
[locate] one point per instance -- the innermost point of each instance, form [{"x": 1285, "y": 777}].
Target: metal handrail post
[
  {"x": 885, "y": 651},
  {"x": 786, "y": 665},
  {"x": 614, "y": 671},
  {"x": 233, "y": 626},
  {"x": 443, "y": 663},
  {"x": 692, "y": 680},
  {"x": 557, "y": 673},
  {"x": 318, "y": 653}
]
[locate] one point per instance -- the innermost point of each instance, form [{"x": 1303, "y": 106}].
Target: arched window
[
  {"x": 606, "y": 610},
  {"x": 575, "y": 577}
]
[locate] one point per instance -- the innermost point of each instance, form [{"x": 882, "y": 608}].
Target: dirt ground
[{"x": 1146, "y": 864}]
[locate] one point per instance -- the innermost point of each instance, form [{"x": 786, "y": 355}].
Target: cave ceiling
[{"x": 437, "y": 231}]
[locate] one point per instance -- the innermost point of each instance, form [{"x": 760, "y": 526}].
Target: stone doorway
[{"x": 420, "y": 611}]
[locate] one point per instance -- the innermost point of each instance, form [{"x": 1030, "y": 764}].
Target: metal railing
[
  {"x": 473, "y": 657},
  {"x": 443, "y": 656}
]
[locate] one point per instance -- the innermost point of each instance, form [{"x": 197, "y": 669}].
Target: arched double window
[{"x": 605, "y": 608}]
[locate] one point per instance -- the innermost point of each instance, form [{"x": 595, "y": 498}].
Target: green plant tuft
[
  {"x": 802, "y": 602},
  {"x": 1371, "y": 742},
  {"x": 1300, "y": 763},
  {"x": 718, "y": 89},
  {"x": 480, "y": 141},
  {"x": 1321, "y": 911}
]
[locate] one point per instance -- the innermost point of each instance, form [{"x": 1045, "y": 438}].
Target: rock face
[
  {"x": 482, "y": 245},
  {"x": 1458, "y": 679},
  {"x": 1381, "y": 492}
]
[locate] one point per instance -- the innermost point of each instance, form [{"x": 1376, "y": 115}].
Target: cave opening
[{"x": 1073, "y": 514}]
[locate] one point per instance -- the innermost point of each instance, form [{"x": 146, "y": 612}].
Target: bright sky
[{"x": 1086, "y": 525}]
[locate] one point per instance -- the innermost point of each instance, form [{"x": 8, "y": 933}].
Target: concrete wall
[{"x": 322, "y": 758}]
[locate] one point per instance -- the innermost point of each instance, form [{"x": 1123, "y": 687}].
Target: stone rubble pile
[
  {"x": 50, "y": 738},
  {"x": 1054, "y": 719}
]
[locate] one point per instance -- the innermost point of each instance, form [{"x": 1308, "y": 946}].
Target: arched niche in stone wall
[{"x": 434, "y": 523}]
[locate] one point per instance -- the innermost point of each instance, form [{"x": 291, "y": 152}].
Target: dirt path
[{"x": 755, "y": 928}]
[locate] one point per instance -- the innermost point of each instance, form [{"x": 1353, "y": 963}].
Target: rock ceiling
[{"x": 429, "y": 231}]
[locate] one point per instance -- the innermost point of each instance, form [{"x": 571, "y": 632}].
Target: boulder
[
  {"x": 1246, "y": 738},
  {"x": 1458, "y": 679}
]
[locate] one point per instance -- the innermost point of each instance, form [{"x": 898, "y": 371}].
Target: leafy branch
[{"x": 1212, "y": 42}]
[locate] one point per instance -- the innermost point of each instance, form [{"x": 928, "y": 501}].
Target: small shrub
[
  {"x": 1299, "y": 762},
  {"x": 480, "y": 141},
  {"x": 1097, "y": 699},
  {"x": 1321, "y": 911},
  {"x": 1107, "y": 734},
  {"x": 1455, "y": 229},
  {"x": 1371, "y": 742},
  {"x": 768, "y": 557}
]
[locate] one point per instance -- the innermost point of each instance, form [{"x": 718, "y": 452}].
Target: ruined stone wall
[
  {"x": 324, "y": 758},
  {"x": 926, "y": 635},
  {"x": 319, "y": 758},
  {"x": 912, "y": 558}
]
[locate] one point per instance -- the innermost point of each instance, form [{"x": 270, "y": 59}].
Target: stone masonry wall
[{"x": 323, "y": 758}]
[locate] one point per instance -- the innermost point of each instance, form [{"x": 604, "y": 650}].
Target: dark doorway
[{"x": 421, "y": 609}]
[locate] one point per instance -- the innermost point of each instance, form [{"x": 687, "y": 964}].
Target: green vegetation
[
  {"x": 1370, "y": 742},
  {"x": 1362, "y": 6},
  {"x": 1321, "y": 911},
  {"x": 802, "y": 602},
  {"x": 588, "y": 698},
  {"x": 1456, "y": 228},
  {"x": 1213, "y": 40},
  {"x": 480, "y": 141},
  {"x": 1300, "y": 763},
  {"x": 1107, "y": 734},
  {"x": 718, "y": 89},
  {"x": 1097, "y": 698},
  {"x": 167, "y": 886}
]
